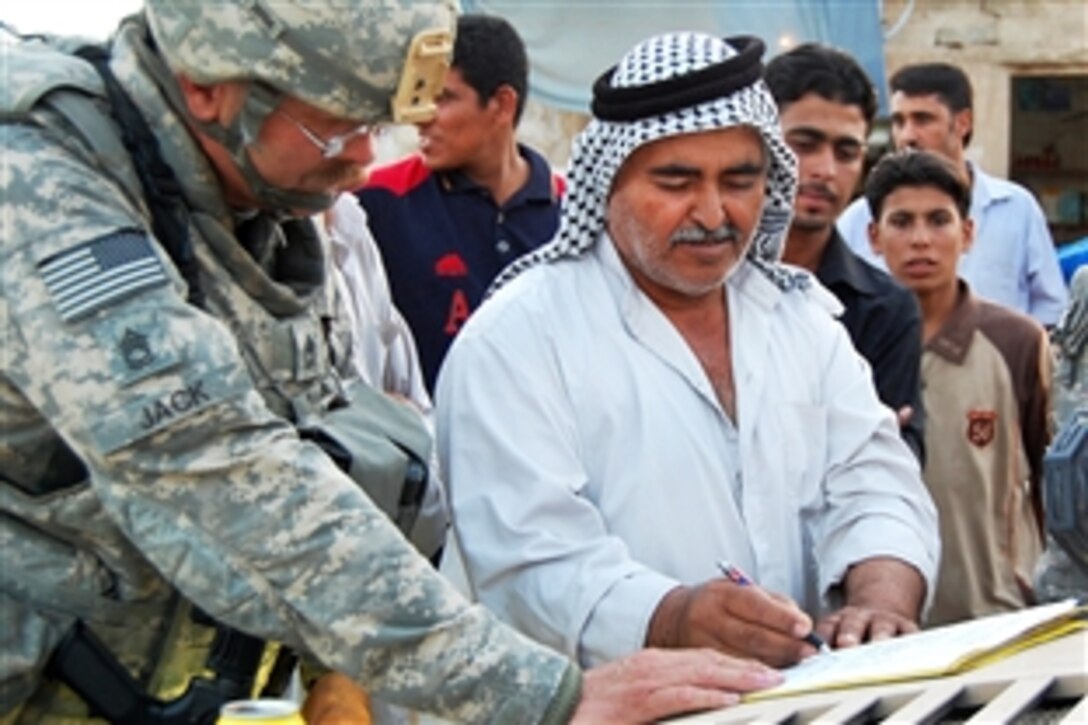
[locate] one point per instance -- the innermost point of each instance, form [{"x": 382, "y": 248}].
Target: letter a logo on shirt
[{"x": 458, "y": 313}]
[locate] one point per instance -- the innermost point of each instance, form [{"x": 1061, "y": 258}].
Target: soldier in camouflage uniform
[
  {"x": 148, "y": 462},
  {"x": 1057, "y": 575},
  {"x": 1070, "y": 389}
]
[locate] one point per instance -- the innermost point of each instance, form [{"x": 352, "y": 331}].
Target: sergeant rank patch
[
  {"x": 91, "y": 276},
  {"x": 135, "y": 349}
]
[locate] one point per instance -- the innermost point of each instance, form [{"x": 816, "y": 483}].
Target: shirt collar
[
  {"x": 984, "y": 190},
  {"x": 953, "y": 340},
  {"x": 839, "y": 265},
  {"x": 538, "y": 189}
]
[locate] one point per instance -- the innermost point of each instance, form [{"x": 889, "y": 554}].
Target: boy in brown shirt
[{"x": 985, "y": 378}]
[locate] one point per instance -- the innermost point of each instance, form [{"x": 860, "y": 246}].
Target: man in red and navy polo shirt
[{"x": 449, "y": 219}]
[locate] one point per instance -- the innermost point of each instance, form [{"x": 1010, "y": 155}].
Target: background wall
[{"x": 993, "y": 41}]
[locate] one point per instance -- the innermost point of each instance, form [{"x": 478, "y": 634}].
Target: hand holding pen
[
  {"x": 739, "y": 578},
  {"x": 745, "y": 621}
]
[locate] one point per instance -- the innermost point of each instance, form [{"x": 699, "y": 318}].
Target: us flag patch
[{"x": 91, "y": 276}]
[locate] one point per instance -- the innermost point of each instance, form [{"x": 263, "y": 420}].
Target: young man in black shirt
[{"x": 826, "y": 105}]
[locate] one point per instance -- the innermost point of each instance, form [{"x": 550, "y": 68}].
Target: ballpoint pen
[{"x": 741, "y": 579}]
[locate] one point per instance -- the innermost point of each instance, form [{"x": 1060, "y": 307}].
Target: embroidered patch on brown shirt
[{"x": 981, "y": 425}]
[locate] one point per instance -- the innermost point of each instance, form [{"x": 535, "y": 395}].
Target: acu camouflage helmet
[
  {"x": 362, "y": 60},
  {"x": 348, "y": 58}
]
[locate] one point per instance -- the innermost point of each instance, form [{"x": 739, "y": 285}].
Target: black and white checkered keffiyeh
[{"x": 603, "y": 146}]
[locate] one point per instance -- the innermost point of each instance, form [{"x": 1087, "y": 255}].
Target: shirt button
[{"x": 503, "y": 246}]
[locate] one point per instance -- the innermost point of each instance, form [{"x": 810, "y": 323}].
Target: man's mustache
[
  {"x": 700, "y": 235},
  {"x": 817, "y": 189}
]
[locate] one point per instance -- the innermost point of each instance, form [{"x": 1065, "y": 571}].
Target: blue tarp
[
  {"x": 1072, "y": 256},
  {"x": 571, "y": 42}
]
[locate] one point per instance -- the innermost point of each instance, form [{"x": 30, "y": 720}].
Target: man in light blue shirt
[{"x": 1013, "y": 261}]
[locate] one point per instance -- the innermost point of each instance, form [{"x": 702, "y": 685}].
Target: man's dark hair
[
  {"x": 488, "y": 53},
  {"x": 949, "y": 83},
  {"x": 915, "y": 169},
  {"x": 828, "y": 72}
]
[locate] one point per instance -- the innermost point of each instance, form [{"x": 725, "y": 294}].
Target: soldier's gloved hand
[{"x": 336, "y": 700}]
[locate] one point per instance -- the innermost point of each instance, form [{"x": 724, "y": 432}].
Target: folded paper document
[{"x": 936, "y": 652}]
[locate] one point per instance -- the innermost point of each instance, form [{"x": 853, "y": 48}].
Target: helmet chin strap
[
  {"x": 260, "y": 101},
  {"x": 242, "y": 133}
]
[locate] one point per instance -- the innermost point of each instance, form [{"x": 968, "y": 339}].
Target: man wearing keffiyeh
[{"x": 652, "y": 393}]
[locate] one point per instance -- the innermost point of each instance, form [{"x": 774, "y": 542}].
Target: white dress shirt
[
  {"x": 1013, "y": 261},
  {"x": 589, "y": 461}
]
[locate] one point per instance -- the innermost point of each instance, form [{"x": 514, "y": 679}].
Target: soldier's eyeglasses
[{"x": 334, "y": 146}]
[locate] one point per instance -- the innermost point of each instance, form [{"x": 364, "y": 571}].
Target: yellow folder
[{"x": 935, "y": 652}]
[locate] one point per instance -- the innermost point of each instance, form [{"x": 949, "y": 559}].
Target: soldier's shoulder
[
  {"x": 54, "y": 183},
  {"x": 54, "y": 198},
  {"x": 37, "y": 67}
]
